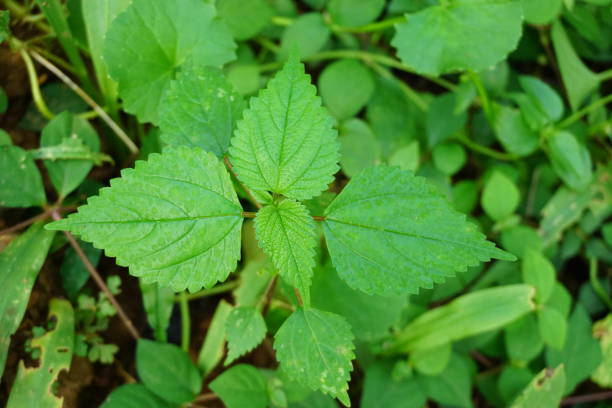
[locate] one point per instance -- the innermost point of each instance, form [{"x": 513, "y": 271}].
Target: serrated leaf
[
  {"x": 315, "y": 348},
  {"x": 245, "y": 328},
  {"x": 151, "y": 38},
  {"x": 20, "y": 263},
  {"x": 66, "y": 175},
  {"x": 285, "y": 142},
  {"x": 152, "y": 220},
  {"x": 389, "y": 233},
  {"x": 200, "y": 108},
  {"x": 20, "y": 181},
  {"x": 286, "y": 232},
  {"x": 241, "y": 386},
  {"x": 36, "y": 383},
  {"x": 457, "y": 35}
]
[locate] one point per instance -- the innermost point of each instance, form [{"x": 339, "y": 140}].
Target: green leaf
[
  {"x": 213, "y": 349},
  {"x": 545, "y": 390},
  {"x": 602, "y": 330},
  {"x": 3, "y": 97},
  {"x": 36, "y": 383},
  {"x": 390, "y": 233},
  {"x": 570, "y": 159},
  {"x": 456, "y": 36},
  {"x": 553, "y": 327},
  {"x": 20, "y": 263},
  {"x": 148, "y": 41},
  {"x": 522, "y": 339},
  {"x": 346, "y": 86},
  {"x": 286, "y": 232},
  {"x": 539, "y": 272},
  {"x": 468, "y": 315},
  {"x": 316, "y": 348},
  {"x": 513, "y": 132},
  {"x": 452, "y": 386},
  {"x": 449, "y": 158},
  {"x": 352, "y": 13},
  {"x": 545, "y": 98},
  {"x": 67, "y": 175},
  {"x": 73, "y": 272},
  {"x": 245, "y": 328},
  {"x": 541, "y": 11},
  {"x": 370, "y": 317},
  {"x": 167, "y": 371},
  {"x": 200, "y": 108},
  {"x": 241, "y": 386},
  {"x": 563, "y": 209},
  {"x": 133, "y": 396},
  {"x": 308, "y": 33},
  {"x": 358, "y": 147},
  {"x": 432, "y": 361},
  {"x": 5, "y": 31},
  {"x": 407, "y": 157},
  {"x": 245, "y": 19},
  {"x": 382, "y": 390},
  {"x": 69, "y": 151},
  {"x": 512, "y": 380},
  {"x": 285, "y": 142},
  {"x": 20, "y": 181},
  {"x": 152, "y": 220},
  {"x": 465, "y": 196},
  {"x": 158, "y": 302},
  {"x": 581, "y": 354},
  {"x": 578, "y": 80},
  {"x": 442, "y": 121}
]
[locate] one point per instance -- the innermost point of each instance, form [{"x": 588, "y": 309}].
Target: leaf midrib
[{"x": 144, "y": 221}]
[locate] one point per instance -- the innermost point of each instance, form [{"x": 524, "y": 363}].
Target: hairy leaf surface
[
  {"x": 200, "y": 108},
  {"x": 389, "y": 232},
  {"x": 285, "y": 142},
  {"x": 174, "y": 219},
  {"x": 245, "y": 329},
  {"x": 286, "y": 232},
  {"x": 316, "y": 348}
]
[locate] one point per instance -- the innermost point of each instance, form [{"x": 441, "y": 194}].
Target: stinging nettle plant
[{"x": 176, "y": 219}]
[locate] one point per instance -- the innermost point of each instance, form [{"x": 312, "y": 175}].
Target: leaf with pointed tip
[
  {"x": 200, "y": 108},
  {"x": 315, "y": 348},
  {"x": 20, "y": 181},
  {"x": 147, "y": 42},
  {"x": 153, "y": 220},
  {"x": 390, "y": 233},
  {"x": 245, "y": 328},
  {"x": 285, "y": 142},
  {"x": 286, "y": 233}
]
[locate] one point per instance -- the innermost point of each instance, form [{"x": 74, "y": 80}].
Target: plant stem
[
  {"x": 605, "y": 75},
  {"x": 408, "y": 91},
  {"x": 245, "y": 188},
  {"x": 34, "y": 86},
  {"x": 103, "y": 115},
  {"x": 486, "y": 150},
  {"x": 599, "y": 396},
  {"x": 26, "y": 223},
  {"x": 482, "y": 94},
  {"x": 264, "y": 302},
  {"x": 584, "y": 111},
  {"x": 98, "y": 279},
  {"x": 605, "y": 298},
  {"x": 298, "y": 297},
  {"x": 222, "y": 288},
  {"x": 282, "y": 21},
  {"x": 21, "y": 13},
  {"x": 251, "y": 214},
  {"x": 377, "y": 26},
  {"x": 185, "y": 321}
]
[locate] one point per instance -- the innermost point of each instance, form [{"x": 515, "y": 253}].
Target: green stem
[
  {"x": 281, "y": 21},
  {"x": 222, "y": 288},
  {"x": 605, "y": 298},
  {"x": 377, "y": 26},
  {"x": 39, "y": 101},
  {"x": 606, "y": 75},
  {"x": 482, "y": 94},
  {"x": 408, "y": 91},
  {"x": 185, "y": 321},
  {"x": 21, "y": 13},
  {"x": 486, "y": 150},
  {"x": 584, "y": 111}
]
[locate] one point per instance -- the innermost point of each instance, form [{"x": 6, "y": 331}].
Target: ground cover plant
[{"x": 305, "y": 203}]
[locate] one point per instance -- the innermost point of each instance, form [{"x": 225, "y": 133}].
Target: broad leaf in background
[
  {"x": 358, "y": 147},
  {"x": 539, "y": 272},
  {"x": 157, "y": 209},
  {"x": 545, "y": 390},
  {"x": 570, "y": 159},
  {"x": 56, "y": 346},
  {"x": 512, "y": 380},
  {"x": 563, "y": 209},
  {"x": 20, "y": 263},
  {"x": 285, "y": 142},
  {"x": 500, "y": 196},
  {"x": 4, "y": 25},
  {"x": 449, "y": 158},
  {"x": 541, "y": 11},
  {"x": 346, "y": 86},
  {"x": 151, "y": 38},
  {"x": 20, "y": 181},
  {"x": 390, "y": 233},
  {"x": 167, "y": 371},
  {"x": 213, "y": 349},
  {"x": 382, "y": 390},
  {"x": 453, "y": 385},
  {"x": 241, "y": 386},
  {"x": 442, "y": 121},
  {"x": 457, "y": 36},
  {"x": 370, "y": 317},
  {"x": 468, "y": 315},
  {"x": 432, "y": 361},
  {"x": 351, "y": 13},
  {"x": 134, "y": 396},
  {"x": 602, "y": 330},
  {"x": 578, "y": 80},
  {"x": 245, "y": 19},
  {"x": 245, "y": 328},
  {"x": 286, "y": 232},
  {"x": 513, "y": 132},
  {"x": 73, "y": 272},
  {"x": 581, "y": 354},
  {"x": 200, "y": 108},
  {"x": 553, "y": 327},
  {"x": 543, "y": 96},
  {"x": 308, "y": 33},
  {"x": 315, "y": 348},
  {"x": 67, "y": 175},
  {"x": 158, "y": 302},
  {"x": 522, "y": 339}
]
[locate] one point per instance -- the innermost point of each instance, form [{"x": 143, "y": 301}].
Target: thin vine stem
[
  {"x": 605, "y": 75},
  {"x": 185, "y": 321},
  {"x": 584, "y": 111},
  {"x": 39, "y": 101},
  {"x": 487, "y": 151},
  {"x": 216, "y": 290},
  {"x": 601, "y": 292},
  {"x": 376, "y": 26},
  {"x": 26, "y": 223},
  {"x": 482, "y": 94}
]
